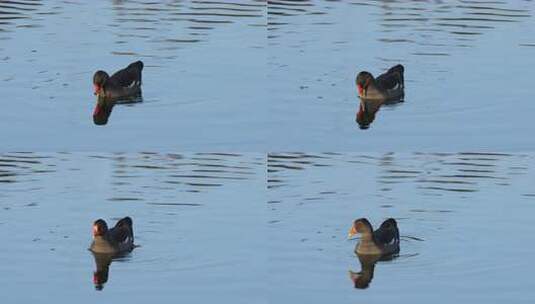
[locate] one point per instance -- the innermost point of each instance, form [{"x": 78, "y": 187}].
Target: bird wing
[
  {"x": 122, "y": 232},
  {"x": 389, "y": 81},
  {"x": 392, "y": 79},
  {"x": 129, "y": 76},
  {"x": 386, "y": 234}
]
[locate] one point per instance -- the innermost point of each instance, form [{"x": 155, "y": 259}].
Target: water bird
[
  {"x": 125, "y": 83},
  {"x": 123, "y": 87},
  {"x": 117, "y": 240},
  {"x": 382, "y": 242},
  {"x": 387, "y": 87}
]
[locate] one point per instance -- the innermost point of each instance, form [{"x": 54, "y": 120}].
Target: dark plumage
[
  {"x": 102, "y": 111},
  {"x": 100, "y": 275},
  {"x": 125, "y": 83},
  {"x": 388, "y": 86},
  {"x": 118, "y": 239},
  {"x": 363, "y": 278},
  {"x": 383, "y": 241},
  {"x": 366, "y": 113}
]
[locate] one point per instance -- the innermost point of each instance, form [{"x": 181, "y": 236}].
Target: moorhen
[
  {"x": 125, "y": 83},
  {"x": 387, "y": 87},
  {"x": 383, "y": 241},
  {"x": 117, "y": 240}
]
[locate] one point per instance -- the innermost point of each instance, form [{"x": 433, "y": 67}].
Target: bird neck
[
  {"x": 99, "y": 238},
  {"x": 366, "y": 237},
  {"x": 367, "y": 245}
]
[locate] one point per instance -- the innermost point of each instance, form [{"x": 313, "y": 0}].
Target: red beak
[
  {"x": 97, "y": 89},
  {"x": 360, "y": 89}
]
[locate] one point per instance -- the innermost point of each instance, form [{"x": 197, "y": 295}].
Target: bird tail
[
  {"x": 126, "y": 221},
  {"x": 399, "y": 70}
]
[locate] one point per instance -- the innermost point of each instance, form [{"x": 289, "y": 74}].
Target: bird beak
[
  {"x": 97, "y": 89},
  {"x": 352, "y": 232},
  {"x": 365, "y": 87}
]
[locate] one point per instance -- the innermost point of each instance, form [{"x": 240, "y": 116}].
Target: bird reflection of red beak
[
  {"x": 360, "y": 112},
  {"x": 96, "y": 112}
]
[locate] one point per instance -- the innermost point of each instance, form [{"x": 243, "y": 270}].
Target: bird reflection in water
[
  {"x": 368, "y": 109},
  {"x": 363, "y": 278},
  {"x": 104, "y": 107},
  {"x": 103, "y": 262},
  {"x": 100, "y": 275}
]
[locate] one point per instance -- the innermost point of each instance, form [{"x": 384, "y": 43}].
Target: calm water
[
  {"x": 196, "y": 219},
  {"x": 465, "y": 222},
  {"x": 468, "y": 71},
  {"x": 203, "y": 77}
]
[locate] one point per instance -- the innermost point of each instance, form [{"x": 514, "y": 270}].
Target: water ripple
[{"x": 407, "y": 21}]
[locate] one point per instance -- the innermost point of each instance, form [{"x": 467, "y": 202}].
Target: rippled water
[
  {"x": 467, "y": 72},
  {"x": 262, "y": 76},
  {"x": 204, "y": 69},
  {"x": 205, "y": 233},
  {"x": 464, "y": 218},
  {"x": 189, "y": 213},
  {"x": 268, "y": 76}
]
